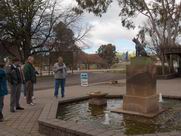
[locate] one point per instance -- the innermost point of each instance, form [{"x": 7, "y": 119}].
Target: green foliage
[
  {"x": 27, "y": 25},
  {"x": 158, "y": 12},
  {"x": 98, "y": 7},
  {"x": 64, "y": 37},
  {"x": 108, "y": 53}
]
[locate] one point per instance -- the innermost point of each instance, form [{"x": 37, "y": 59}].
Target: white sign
[{"x": 84, "y": 79}]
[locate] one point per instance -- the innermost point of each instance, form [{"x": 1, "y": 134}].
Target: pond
[{"x": 101, "y": 117}]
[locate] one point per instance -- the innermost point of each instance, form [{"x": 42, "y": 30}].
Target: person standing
[
  {"x": 30, "y": 79},
  {"x": 3, "y": 88},
  {"x": 60, "y": 73},
  {"x": 23, "y": 84},
  {"x": 15, "y": 81}
]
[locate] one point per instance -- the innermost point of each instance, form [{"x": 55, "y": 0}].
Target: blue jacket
[{"x": 3, "y": 83}]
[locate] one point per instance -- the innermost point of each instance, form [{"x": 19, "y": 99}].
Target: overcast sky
[{"x": 108, "y": 29}]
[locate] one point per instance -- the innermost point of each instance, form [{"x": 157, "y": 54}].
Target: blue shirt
[{"x": 3, "y": 83}]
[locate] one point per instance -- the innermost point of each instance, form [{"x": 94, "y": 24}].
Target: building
[
  {"x": 90, "y": 61},
  {"x": 174, "y": 54}
]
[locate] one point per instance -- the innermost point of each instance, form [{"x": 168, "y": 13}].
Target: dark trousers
[
  {"x": 29, "y": 92},
  {"x": 1, "y": 106},
  {"x": 58, "y": 83},
  {"x": 15, "y": 96}
]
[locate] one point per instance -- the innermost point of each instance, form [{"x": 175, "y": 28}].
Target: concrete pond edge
[{"x": 49, "y": 125}]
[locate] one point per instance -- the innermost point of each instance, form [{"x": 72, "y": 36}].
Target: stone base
[
  {"x": 141, "y": 104},
  {"x": 141, "y": 98},
  {"x": 98, "y": 101},
  {"x": 147, "y": 115}
]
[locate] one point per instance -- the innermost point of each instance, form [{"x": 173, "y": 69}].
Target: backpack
[{"x": 11, "y": 75}]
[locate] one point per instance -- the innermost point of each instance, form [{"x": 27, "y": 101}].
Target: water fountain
[
  {"x": 91, "y": 116},
  {"x": 141, "y": 100},
  {"x": 98, "y": 99},
  {"x": 160, "y": 97},
  {"x": 107, "y": 119}
]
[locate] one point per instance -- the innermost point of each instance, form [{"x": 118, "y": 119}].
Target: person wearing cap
[
  {"x": 30, "y": 79},
  {"x": 60, "y": 73},
  {"x": 3, "y": 88},
  {"x": 15, "y": 79}
]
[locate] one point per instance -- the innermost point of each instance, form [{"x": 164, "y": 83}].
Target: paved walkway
[{"x": 24, "y": 123}]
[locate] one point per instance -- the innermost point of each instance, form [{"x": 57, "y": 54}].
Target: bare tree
[
  {"x": 73, "y": 22},
  {"x": 28, "y": 24}
]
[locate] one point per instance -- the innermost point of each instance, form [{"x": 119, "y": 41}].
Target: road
[{"x": 74, "y": 79}]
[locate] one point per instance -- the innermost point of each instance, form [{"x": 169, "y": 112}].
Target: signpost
[{"x": 84, "y": 79}]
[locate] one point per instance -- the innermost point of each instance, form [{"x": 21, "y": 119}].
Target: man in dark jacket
[
  {"x": 15, "y": 81},
  {"x": 30, "y": 79},
  {"x": 3, "y": 88}
]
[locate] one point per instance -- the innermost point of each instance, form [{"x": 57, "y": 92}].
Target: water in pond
[{"x": 100, "y": 117}]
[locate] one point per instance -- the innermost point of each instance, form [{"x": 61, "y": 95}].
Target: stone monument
[{"x": 141, "y": 97}]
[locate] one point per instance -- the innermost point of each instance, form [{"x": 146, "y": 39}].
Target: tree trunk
[
  {"x": 26, "y": 47},
  {"x": 179, "y": 65},
  {"x": 72, "y": 69},
  {"x": 168, "y": 60},
  {"x": 26, "y": 53},
  {"x": 49, "y": 65},
  {"x": 171, "y": 64},
  {"x": 19, "y": 49},
  {"x": 163, "y": 64}
]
